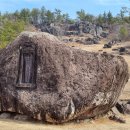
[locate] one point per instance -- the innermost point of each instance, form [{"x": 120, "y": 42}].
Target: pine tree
[
  {"x": 43, "y": 15},
  {"x": 110, "y": 17},
  {"x": 81, "y": 15}
]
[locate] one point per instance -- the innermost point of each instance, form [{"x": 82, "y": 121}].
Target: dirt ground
[{"x": 99, "y": 124}]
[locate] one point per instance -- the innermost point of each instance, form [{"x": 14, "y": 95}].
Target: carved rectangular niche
[{"x": 27, "y": 66}]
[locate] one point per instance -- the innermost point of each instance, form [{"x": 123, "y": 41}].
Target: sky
[{"x": 94, "y": 7}]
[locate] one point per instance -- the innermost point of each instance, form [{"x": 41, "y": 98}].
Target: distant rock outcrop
[
  {"x": 44, "y": 79},
  {"x": 77, "y": 28}
]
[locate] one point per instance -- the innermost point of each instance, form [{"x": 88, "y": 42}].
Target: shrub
[
  {"x": 9, "y": 31},
  {"x": 123, "y": 33}
]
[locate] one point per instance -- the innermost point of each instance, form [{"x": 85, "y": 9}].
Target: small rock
[
  {"x": 78, "y": 121},
  {"x": 118, "y": 119},
  {"x": 88, "y": 120},
  {"x": 107, "y": 46},
  {"x": 115, "y": 49},
  {"x": 5, "y": 116},
  {"x": 21, "y": 117},
  {"x": 115, "y": 111},
  {"x": 127, "y": 108},
  {"x": 92, "y": 122},
  {"x": 120, "y": 107},
  {"x": 122, "y": 49}
]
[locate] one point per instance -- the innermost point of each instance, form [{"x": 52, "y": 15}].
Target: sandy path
[{"x": 100, "y": 124}]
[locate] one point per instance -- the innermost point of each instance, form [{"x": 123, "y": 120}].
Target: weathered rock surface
[
  {"x": 44, "y": 79},
  {"x": 77, "y": 28}
]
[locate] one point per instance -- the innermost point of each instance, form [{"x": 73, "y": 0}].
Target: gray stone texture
[{"x": 69, "y": 83}]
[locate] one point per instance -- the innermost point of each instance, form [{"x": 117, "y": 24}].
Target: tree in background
[
  {"x": 35, "y": 15},
  {"x": 123, "y": 33},
  {"x": 104, "y": 17},
  {"x": 50, "y": 18},
  {"x": 81, "y": 15},
  {"x": 58, "y": 16},
  {"x": 16, "y": 15},
  {"x": 121, "y": 16},
  {"x": 25, "y": 15},
  {"x": 109, "y": 18},
  {"x": 66, "y": 18},
  {"x": 90, "y": 18},
  {"x": 100, "y": 19},
  {"x": 0, "y": 19},
  {"x": 43, "y": 15},
  {"x": 10, "y": 31},
  {"x": 11, "y": 24}
]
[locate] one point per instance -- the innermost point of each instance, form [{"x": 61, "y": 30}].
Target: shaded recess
[{"x": 27, "y": 65}]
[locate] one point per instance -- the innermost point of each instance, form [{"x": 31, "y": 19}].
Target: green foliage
[
  {"x": 100, "y": 19},
  {"x": 71, "y": 21},
  {"x": 106, "y": 18},
  {"x": 81, "y": 15},
  {"x": 123, "y": 33},
  {"x": 35, "y": 13},
  {"x": 90, "y": 17},
  {"x": 24, "y": 15},
  {"x": 65, "y": 17},
  {"x": 11, "y": 24},
  {"x": 58, "y": 16},
  {"x": 43, "y": 14},
  {"x": 10, "y": 31},
  {"x": 50, "y": 17},
  {"x": 110, "y": 17}
]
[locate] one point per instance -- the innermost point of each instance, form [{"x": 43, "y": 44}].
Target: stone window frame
[{"x": 27, "y": 48}]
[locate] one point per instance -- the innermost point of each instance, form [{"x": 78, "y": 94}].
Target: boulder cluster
[{"x": 95, "y": 31}]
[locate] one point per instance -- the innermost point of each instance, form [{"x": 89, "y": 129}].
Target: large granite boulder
[{"x": 44, "y": 79}]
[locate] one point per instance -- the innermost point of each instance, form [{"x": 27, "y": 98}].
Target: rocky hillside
[{"x": 88, "y": 33}]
